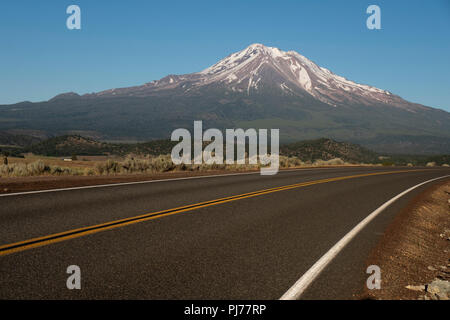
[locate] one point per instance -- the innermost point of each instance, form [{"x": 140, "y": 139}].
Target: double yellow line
[{"x": 80, "y": 232}]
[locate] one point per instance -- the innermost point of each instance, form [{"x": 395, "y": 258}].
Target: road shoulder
[{"x": 413, "y": 254}]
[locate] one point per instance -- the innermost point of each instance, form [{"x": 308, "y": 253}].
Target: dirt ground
[{"x": 415, "y": 249}]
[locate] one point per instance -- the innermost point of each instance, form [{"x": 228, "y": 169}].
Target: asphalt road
[{"x": 249, "y": 247}]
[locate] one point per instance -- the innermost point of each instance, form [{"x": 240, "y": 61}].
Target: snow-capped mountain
[
  {"x": 258, "y": 68},
  {"x": 258, "y": 87}
]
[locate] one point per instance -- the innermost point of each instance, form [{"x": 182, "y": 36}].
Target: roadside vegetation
[
  {"x": 37, "y": 168},
  {"x": 17, "y": 167}
]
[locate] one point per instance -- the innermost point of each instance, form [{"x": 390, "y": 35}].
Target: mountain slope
[{"x": 260, "y": 87}]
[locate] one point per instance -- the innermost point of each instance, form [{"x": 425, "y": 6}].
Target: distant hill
[
  {"x": 67, "y": 145},
  {"x": 327, "y": 149},
  {"x": 20, "y": 140},
  {"x": 78, "y": 145}
]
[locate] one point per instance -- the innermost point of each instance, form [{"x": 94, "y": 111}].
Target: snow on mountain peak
[{"x": 294, "y": 73}]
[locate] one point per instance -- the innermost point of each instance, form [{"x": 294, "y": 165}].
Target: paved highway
[{"x": 242, "y": 236}]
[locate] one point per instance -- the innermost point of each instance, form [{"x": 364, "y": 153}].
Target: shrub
[
  {"x": 36, "y": 168},
  {"x": 289, "y": 162},
  {"x": 331, "y": 162}
]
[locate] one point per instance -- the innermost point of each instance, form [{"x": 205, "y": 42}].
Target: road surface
[{"x": 242, "y": 236}]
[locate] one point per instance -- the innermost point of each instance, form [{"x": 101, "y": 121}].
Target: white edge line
[
  {"x": 146, "y": 181},
  {"x": 303, "y": 283}
]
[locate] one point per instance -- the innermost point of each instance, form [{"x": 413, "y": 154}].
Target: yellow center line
[{"x": 80, "y": 232}]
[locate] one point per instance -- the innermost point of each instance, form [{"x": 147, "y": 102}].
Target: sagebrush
[{"x": 150, "y": 164}]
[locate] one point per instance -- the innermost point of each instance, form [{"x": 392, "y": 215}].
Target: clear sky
[{"x": 125, "y": 43}]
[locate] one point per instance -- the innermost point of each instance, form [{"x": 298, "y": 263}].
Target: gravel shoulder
[{"x": 414, "y": 253}]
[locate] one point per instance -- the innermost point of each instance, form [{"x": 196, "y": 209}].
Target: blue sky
[{"x": 125, "y": 43}]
